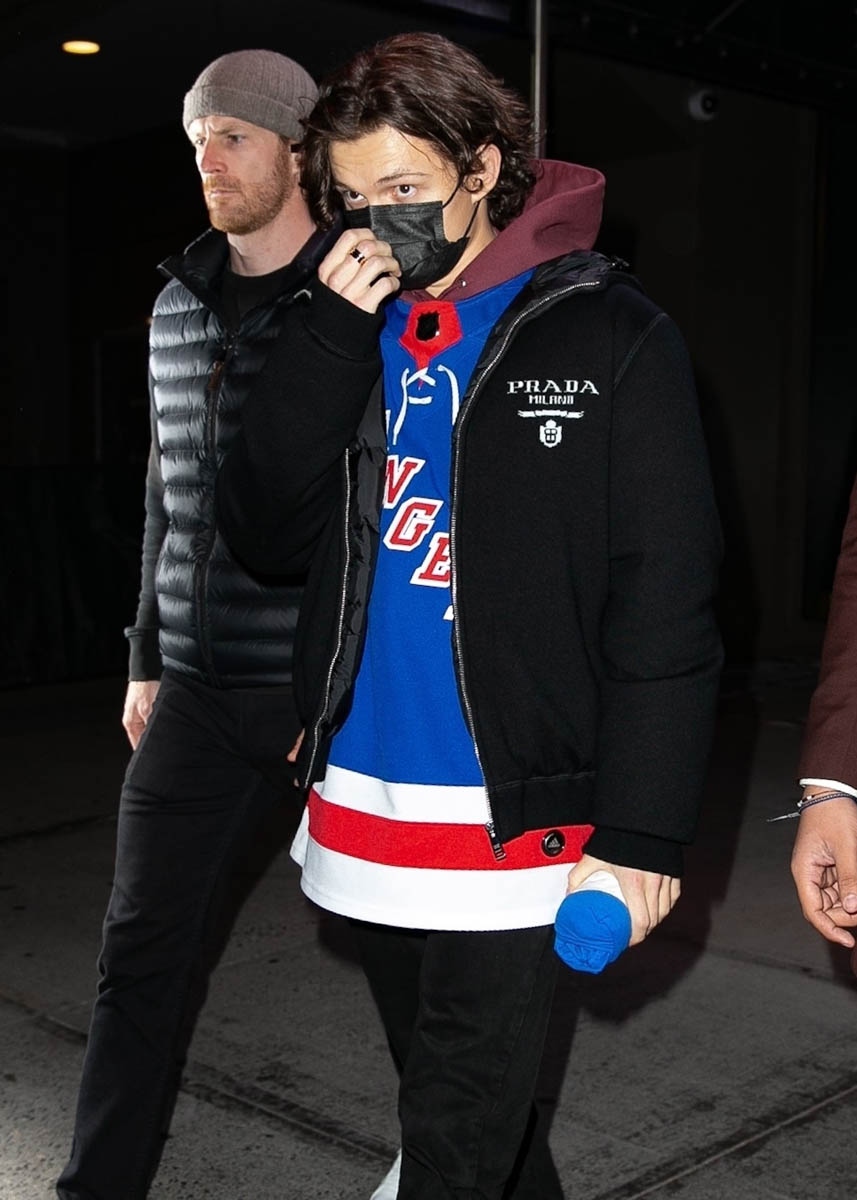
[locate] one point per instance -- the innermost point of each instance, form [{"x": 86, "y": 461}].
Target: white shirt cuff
[{"x": 829, "y": 783}]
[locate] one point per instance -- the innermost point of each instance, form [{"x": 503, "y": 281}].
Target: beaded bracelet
[{"x": 808, "y": 802}]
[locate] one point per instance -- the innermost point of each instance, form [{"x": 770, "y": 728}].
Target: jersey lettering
[
  {"x": 399, "y": 475},
  {"x": 434, "y": 570},
  {"x": 411, "y": 523}
]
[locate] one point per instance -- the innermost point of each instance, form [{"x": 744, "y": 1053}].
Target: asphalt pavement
[{"x": 718, "y": 1061}]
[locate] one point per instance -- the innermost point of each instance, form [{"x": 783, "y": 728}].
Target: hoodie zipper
[
  {"x": 213, "y": 389},
  {"x": 523, "y": 316}
]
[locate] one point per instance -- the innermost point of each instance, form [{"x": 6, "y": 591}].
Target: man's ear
[
  {"x": 296, "y": 154},
  {"x": 481, "y": 182}
]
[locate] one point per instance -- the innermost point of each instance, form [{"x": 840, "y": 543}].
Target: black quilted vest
[{"x": 218, "y": 621}]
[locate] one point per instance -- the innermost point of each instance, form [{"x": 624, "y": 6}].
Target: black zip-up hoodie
[{"x": 584, "y": 551}]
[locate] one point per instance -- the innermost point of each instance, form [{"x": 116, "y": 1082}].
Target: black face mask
[{"x": 416, "y": 237}]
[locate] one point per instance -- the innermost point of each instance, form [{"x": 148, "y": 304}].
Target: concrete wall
[{"x": 718, "y": 219}]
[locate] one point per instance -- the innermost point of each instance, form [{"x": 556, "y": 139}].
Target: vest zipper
[
  {"x": 213, "y": 389},
  {"x": 466, "y": 406}
]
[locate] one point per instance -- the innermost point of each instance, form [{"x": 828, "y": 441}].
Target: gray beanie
[{"x": 259, "y": 86}]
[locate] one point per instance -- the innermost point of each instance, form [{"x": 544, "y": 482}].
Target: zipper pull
[
  {"x": 217, "y": 367},
  {"x": 214, "y": 377},
  {"x": 496, "y": 844}
]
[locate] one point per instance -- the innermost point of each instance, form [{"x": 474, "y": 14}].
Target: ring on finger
[{"x": 355, "y": 253}]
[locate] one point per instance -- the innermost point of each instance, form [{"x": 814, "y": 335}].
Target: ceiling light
[{"x": 81, "y": 47}]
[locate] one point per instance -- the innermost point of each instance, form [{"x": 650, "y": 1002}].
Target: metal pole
[
  {"x": 538, "y": 80},
  {"x": 721, "y": 16}
]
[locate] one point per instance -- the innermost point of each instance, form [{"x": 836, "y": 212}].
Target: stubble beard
[{"x": 252, "y": 206}]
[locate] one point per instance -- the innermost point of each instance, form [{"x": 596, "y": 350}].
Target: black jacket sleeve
[
  {"x": 144, "y": 654},
  {"x": 660, "y": 643},
  {"x": 279, "y": 482}
]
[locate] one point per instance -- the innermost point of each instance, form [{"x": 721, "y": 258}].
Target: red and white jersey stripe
[{"x": 368, "y": 851}]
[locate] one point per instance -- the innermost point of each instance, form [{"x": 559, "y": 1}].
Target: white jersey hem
[
  {"x": 428, "y": 897},
  {"x": 417, "y": 919}
]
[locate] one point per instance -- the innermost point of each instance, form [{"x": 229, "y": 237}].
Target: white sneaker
[{"x": 388, "y": 1188}]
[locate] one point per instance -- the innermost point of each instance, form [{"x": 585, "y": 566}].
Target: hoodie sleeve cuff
[
  {"x": 342, "y": 326},
  {"x": 144, "y": 654},
  {"x": 640, "y": 851}
]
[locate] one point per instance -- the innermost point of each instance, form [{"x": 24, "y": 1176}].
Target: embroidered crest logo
[
  {"x": 550, "y": 434},
  {"x": 554, "y": 398}
]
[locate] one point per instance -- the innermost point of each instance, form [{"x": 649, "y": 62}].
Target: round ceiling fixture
[{"x": 80, "y": 46}]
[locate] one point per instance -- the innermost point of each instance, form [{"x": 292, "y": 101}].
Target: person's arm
[
  {"x": 824, "y": 858},
  {"x": 144, "y": 670},
  {"x": 281, "y": 478},
  {"x": 829, "y": 749},
  {"x": 660, "y": 645}
]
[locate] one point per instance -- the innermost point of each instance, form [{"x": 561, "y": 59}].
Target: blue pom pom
[{"x": 592, "y": 930}]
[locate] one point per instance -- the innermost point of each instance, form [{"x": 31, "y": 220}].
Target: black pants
[
  {"x": 209, "y": 766},
  {"x": 466, "y": 1016}
]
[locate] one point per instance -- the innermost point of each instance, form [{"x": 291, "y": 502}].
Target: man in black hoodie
[{"x": 507, "y": 661}]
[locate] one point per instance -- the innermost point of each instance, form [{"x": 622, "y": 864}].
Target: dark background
[{"x": 741, "y": 226}]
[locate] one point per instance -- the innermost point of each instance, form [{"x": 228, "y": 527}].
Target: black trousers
[
  {"x": 466, "y": 1016},
  {"x": 209, "y": 767}
]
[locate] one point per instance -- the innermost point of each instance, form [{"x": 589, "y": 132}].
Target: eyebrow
[
  {"x": 388, "y": 178},
  {"x": 401, "y": 175},
  {"x": 230, "y": 127}
]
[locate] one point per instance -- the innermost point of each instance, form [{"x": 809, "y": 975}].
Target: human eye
[
  {"x": 405, "y": 191},
  {"x": 235, "y": 138},
  {"x": 353, "y": 199}
]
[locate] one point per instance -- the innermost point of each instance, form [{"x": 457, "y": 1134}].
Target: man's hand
[
  {"x": 292, "y": 755},
  {"x": 360, "y": 269},
  {"x": 138, "y": 707},
  {"x": 824, "y": 867},
  {"x": 649, "y": 897}
]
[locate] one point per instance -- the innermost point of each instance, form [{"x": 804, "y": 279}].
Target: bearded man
[{"x": 209, "y": 708}]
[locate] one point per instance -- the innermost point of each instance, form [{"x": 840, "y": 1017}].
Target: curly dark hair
[{"x": 425, "y": 86}]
